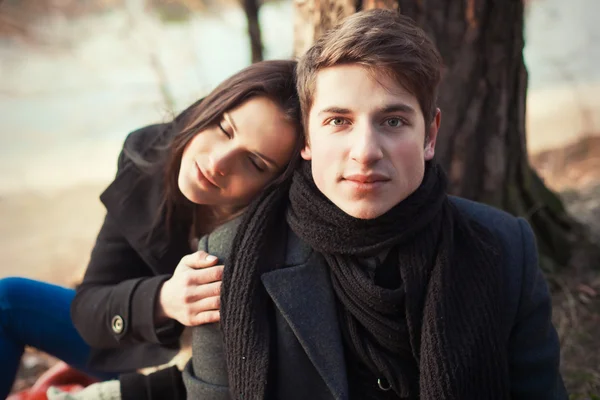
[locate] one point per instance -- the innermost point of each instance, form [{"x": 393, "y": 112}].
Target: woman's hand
[{"x": 192, "y": 295}]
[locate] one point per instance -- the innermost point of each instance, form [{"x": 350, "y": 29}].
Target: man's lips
[
  {"x": 203, "y": 176},
  {"x": 366, "y": 178}
]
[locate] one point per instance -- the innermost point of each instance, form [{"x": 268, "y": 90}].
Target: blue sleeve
[{"x": 534, "y": 348}]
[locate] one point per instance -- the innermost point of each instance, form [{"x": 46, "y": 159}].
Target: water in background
[{"x": 67, "y": 102}]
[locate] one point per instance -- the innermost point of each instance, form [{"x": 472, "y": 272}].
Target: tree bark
[
  {"x": 256, "y": 46},
  {"x": 482, "y": 142},
  {"x": 313, "y": 17}
]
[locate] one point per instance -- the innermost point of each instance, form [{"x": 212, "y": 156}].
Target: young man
[{"x": 361, "y": 278}]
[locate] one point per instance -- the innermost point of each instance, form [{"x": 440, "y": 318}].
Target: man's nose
[{"x": 365, "y": 144}]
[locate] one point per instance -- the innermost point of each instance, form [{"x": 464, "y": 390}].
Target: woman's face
[{"x": 230, "y": 163}]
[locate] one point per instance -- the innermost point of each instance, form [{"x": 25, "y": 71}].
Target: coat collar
[
  {"x": 304, "y": 297},
  {"x": 133, "y": 201}
]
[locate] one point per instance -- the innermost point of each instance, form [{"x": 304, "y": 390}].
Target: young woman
[{"x": 175, "y": 182}]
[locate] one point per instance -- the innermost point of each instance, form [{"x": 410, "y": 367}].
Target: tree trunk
[
  {"x": 313, "y": 17},
  {"x": 256, "y": 46},
  {"x": 481, "y": 142}
]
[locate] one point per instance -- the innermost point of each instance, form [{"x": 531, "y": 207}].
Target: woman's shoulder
[
  {"x": 143, "y": 146},
  {"x": 132, "y": 179},
  {"x": 143, "y": 139}
]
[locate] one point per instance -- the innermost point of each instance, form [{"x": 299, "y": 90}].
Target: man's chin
[{"x": 365, "y": 211}]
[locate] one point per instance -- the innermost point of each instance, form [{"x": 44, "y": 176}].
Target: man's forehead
[{"x": 354, "y": 87}]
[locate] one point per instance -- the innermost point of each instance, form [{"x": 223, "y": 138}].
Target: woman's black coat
[{"x": 113, "y": 309}]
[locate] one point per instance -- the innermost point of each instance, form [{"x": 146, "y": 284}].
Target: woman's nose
[{"x": 220, "y": 162}]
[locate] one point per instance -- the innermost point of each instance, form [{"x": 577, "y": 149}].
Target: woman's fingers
[
  {"x": 192, "y": 294},
  {"x": 207, "y": 304},
  {"x": 204, "y": 275},
  {"x": 207, "y": 290},
  {"x": 203, "y": 311},
  {"x": 206, "y": 317},
  {"x": 199, "y": 259}
]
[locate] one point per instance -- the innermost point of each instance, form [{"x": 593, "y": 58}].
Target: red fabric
[{"x": 60, "y": 375}]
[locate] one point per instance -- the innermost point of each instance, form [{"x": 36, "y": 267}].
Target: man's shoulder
[
  {"x": 506, "y": 227},
  {"x": 219, "y": 242},
  {"x": 515, "y": 234},
  {"x": 515, "y": 237},
  {"x": 484, "y": 214}
]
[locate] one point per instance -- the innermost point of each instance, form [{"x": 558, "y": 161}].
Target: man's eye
[
  {"x": 336, "y": 121},
  {"x": 224, "y": 131},
  {"x": 394, "y": 122}
]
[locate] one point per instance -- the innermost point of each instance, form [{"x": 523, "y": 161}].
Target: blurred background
[{"x": 76, "y": 76}]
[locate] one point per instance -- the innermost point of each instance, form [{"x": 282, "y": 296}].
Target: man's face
[{"x": 366, "y": 140}]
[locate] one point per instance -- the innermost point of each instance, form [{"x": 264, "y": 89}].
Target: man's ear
[
  {"x": 306, "y": 153},
  {"x": 432, "y": 132}
]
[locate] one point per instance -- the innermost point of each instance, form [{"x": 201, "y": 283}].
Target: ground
[{"x": 574, "y": 171}]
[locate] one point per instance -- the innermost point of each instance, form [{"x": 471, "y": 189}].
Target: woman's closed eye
[
  {"x": 229, "y": 135},
  {"x": 257, "y": 164}
]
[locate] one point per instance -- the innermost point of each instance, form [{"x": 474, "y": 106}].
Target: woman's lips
[{"x": 205, "y": 180}]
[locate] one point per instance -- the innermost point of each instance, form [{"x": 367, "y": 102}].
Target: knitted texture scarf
[{"x": 437, "y": 337}]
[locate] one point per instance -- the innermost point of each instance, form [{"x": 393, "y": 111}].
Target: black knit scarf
[{"x": 437, "y": 337}]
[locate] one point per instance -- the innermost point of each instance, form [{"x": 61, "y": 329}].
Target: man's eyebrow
[
  {"x": 399, "y": 107},
  {"x": 335, "y": 110}
]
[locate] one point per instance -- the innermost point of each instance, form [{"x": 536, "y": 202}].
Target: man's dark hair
[{"x": 384, "y": 42}]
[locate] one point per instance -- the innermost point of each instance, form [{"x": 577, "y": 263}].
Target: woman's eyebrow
[{"x": 231, "y": 122}]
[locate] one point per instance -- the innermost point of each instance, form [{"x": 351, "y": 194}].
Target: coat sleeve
[
  {"x": 205, "y": 376},
  {"x": 114, "y": 305},
  {"x": 534, "y": 350},
  {"x": 163, "y": 384}
]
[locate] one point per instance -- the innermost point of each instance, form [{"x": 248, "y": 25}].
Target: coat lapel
[{"x": 304, "y": 297}]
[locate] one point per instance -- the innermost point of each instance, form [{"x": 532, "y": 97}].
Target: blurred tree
[
  {"x": 313, "y": 17},
  {"x": 482, "y": 143},
  {"x": 17, "y": 16},
  {"x": 256, "y": 45}
]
